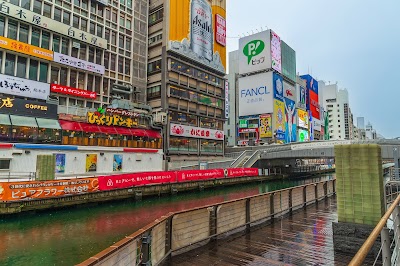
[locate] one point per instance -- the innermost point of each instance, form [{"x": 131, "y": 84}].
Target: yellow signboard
[
  {"x": 279, "y": 116},
  {"x": 197, "y": 29},
  {"x": 265, "y": 126},
  {"x": 111, "y": 120},
  {"x": 303, "y": 118},
  {"x": 25, "y": 48}
]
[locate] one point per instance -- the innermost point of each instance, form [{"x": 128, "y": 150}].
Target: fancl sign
[{"x": 256, "y": 94}]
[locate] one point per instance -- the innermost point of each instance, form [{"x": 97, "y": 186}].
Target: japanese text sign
[
  {"x": 111, "y": 120},
  {"x": 24, "y": 87},
  {"x": 195, "y": 132},
  {"x": 50, "y": 24},
  {"x": 25, "y": 48},
  {"x": 78, "y": 63},
  {"x": 27, "y": 108},
  {"x": 220, "y": 29},
  {"x": 10, "y": 191},
  {"x": 72, "y": 91}
]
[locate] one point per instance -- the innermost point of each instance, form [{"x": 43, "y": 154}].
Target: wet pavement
[{"x": 303, "y": 238}]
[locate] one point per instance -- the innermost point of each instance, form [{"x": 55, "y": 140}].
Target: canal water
[{"x": 69, "y": 236}]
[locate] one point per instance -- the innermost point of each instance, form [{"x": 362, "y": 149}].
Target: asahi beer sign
[
  {"x": 78, "y": 63},
  {"x": 195, "y": 132},
  {"x": 24, "y": 87},
  {"x": 200, "y": 44}
]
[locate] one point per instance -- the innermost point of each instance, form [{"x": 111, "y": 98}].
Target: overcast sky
[{"x": 355, "y": 43}]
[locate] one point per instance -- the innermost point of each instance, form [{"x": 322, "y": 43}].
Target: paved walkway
[{"x": 305, "y": 238}]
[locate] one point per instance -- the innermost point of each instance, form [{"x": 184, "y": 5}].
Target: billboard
[
  {"x": 195, "y": 132},
  {"x": 289, "y": 91},
  {"x": 290, "y": 125},
  {"x": 314, "y": 105},
  {"x": 265, "y": 126},
  {"x": 192, "y": 31},
  {"x": 276, "y": 59},
  {"x": 255, "y": 94},
  {"x": 25, "y": 48},
  {"x": 255, "y": 52},
  {"x": 278, "y": 87},
  {"x": 316, "y": 124},
  {"x": 312, "y": 95},
  {"x": 303, "y": 135},
  {"x": 301, "y": 96},
  {"x": 303, "y": 119},
  {"x": 24, "y": 87},
  {"x": 279, "y": 119}
]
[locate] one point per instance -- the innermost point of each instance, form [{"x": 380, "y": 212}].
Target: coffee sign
[{"x": 23, "y": 107}]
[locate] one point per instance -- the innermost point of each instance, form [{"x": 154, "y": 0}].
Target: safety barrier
[{"x": 180, "y": 231}]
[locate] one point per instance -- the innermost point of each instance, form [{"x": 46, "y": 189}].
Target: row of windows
[
  {"x": 154, "y": 92},
  {"x": 196, "y": 97},
  {"x": 153, "y": 67},
  {"x": 192, "y": 145},
  {"x": 193, "y": 120},
  {"x": 156, "y": 16},
  {"x": 188, "y": 70},
  {"x": 155, "y": 38}
]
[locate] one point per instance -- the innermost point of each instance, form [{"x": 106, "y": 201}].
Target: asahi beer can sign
[{"x": 201, "y": 31}]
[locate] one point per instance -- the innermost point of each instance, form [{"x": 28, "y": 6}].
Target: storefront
[
  {"x": 248, "y": 130},
  {"x": 107, "y": 129},
  {"x": 28, "y": 121}
]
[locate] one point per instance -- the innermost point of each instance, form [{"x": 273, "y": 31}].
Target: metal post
[
  {"x": 396, "y": 230},
  {"x": 396, "y": 163},
  {"x": 385, "y": 242}
]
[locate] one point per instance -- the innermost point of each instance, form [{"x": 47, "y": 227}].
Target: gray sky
[{"x": 353, "y": 42}]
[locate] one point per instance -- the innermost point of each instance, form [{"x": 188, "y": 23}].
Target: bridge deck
[{"x": 304, "y": 238}]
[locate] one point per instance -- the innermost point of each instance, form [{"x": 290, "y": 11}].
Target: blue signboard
[
  {"x": 278, "y": 86},
  {"x": 290, "y": 124}
]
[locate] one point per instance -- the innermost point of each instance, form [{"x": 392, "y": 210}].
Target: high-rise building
[
  {"x": 186, "y": 75},
  {"x": 360, "y": 123},
  {"x": 232, "y": 119},
  {"x": 87, "y": 57}
]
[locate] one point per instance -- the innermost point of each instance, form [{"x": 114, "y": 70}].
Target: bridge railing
[{"x": 182, "y": 231}]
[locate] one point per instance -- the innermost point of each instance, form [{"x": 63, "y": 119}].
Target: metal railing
[
  {"x": 241, "y": 158},
  {"x": 253, "y": 159},
  {"x": 182, "y": 231}
]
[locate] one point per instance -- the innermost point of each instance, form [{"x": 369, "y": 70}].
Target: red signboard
[
  {"x": 220, "y": 30},
  {"x": 135, "y": 179},
  {"x": 72, "y": 91},
  {"x": 237, "y": 172},
  {"x": 314, "y": 105},
  {"x": 193, "y": 175}
]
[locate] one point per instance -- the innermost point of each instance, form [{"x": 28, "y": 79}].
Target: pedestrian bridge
[{"x": 314, "y": 149}]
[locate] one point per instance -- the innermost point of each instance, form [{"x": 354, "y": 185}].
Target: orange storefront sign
[
  {"x": 10, "y": 191},
  {"x": 25, "y": 48}
]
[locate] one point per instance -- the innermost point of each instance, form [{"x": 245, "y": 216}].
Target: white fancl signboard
[
  {"x": 255, "y": 52},
  {"x": 256, "y": 94},
  {"x": 24, "y": 87},
  {"x": 78, "y": 63},
  {"x": 195, "y": 132}
]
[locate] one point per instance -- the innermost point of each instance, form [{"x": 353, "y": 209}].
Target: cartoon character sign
[{"x": 290, "y": 124}]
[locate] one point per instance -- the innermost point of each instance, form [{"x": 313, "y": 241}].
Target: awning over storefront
[
  {"x": 138, "y": 132},
  {"x": 108, "y": 130},
  {"x": 5, "y": 120},
  {"x": 123, "y": 131},
  {"x": 153, "y": 134},
  {"x": 90, "y": 128},
  {"x": 48, "y": 123},
  {"x": 23, "y": 121},
  {"x": 70, "y": 125}
]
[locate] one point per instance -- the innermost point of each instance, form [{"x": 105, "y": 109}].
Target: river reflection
[{"x": 69, "y": 236}]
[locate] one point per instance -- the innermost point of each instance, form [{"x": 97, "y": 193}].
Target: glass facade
[{"x": 288, "y": 61}]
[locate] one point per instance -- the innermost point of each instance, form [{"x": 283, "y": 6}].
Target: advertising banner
[
  {"x": 279, "y": 117},
  {"x": 303, "y": 118},
  {"x": 226, "y": 99},
  {"x": 255, "y": 94},
  {"x": 72, "y": 91},
  {"x": 91, "y": 162},
  {"x": 60, "y": 163},
  {"x": 243, "y": 123},
  {"x": 289, "y": 91},
  {"x": 265, "y": 126},
  {"x": 316, "y": 124},
  {"x": 27, "y": 190},
  {"x": 24, "y": 87},
  {"x": 314, "y": 105},
  {"x": 195, "y": 132},
  {"x": 78, "y": 63},
  {"x": 24, "y": 48},
  {"x": 303, "y": 135},
  {"x": 17, "y": 106},
  {"x": 135, "y": 179},
  {"x": 255, "y": 52},
  {"x": 35, "y": 19},
  {"x": 290, "y": 125},
  {"x": 193, "y": 175},
  {"x": 110, "y": 120},
  {"x": 117, "y": 163},
  {"x": 192, "y": 25},
  {"x": 301, "y": 99},
  {"x": 276, "y": 59},
  {"x": 278, "y": 87},
  {"x": 237, "y": 172}
]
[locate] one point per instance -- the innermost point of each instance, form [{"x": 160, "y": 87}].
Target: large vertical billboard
[
  {"x": 255, "y": 52},
  {"x": 265, "y": 126},
  {"x": 290, "y": 124},
  {"x": 276, "y": 59},
  {"x": 312, "y": 91},
  {"x": 255, "y": 94},
  {"x": 279, "y": 119},
  {"x": 278, "y": 87},
  {"x": 303, "y": 119},
  {"x": 192, "y": 31},
  {"x": 301, "y": 96}
]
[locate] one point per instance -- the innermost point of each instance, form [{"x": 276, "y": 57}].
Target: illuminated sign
[
  {"x": 23, "y": 107},
  {"x": 276, "y": 60},
  {"x": 25, "y": 48},
  {"x": 220, "y": 30},
  {"x": 196, "y": 132},
  {"x": 72, "y": 91},
  {"x": 110, "y": 120}
]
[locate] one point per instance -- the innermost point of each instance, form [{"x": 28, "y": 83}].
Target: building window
[
  {"x": 154, "y": 92},
  {"x": 26, "y": 4},
  {"x": 155, "y": 17},
  {"x": 23, "y": 33},
  {"x": 43, "y": 72},
  {"x": 54, "y": 74},
  {"x": 5, "y": 164},
  {"x": 63, "y": 76},
  {"x": 12, "y": 29},
  {"x": 10, "y": 64},
  {"x": 33, "y": 69},
  {"x": 35, "y": 39},
  {"x": 45, "y": 40},
  {"x": 154, "y": 67},
  {"x": 47, "y": 10},
  {"x": 66, "y": 18},
  {"x": 2, "y": 25},
  {"x": 37, "y": 6},
  {"x": 57, "y": 14},
  {"x": 56, "y": 43},
  {"x": 21, "y": 67}
]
